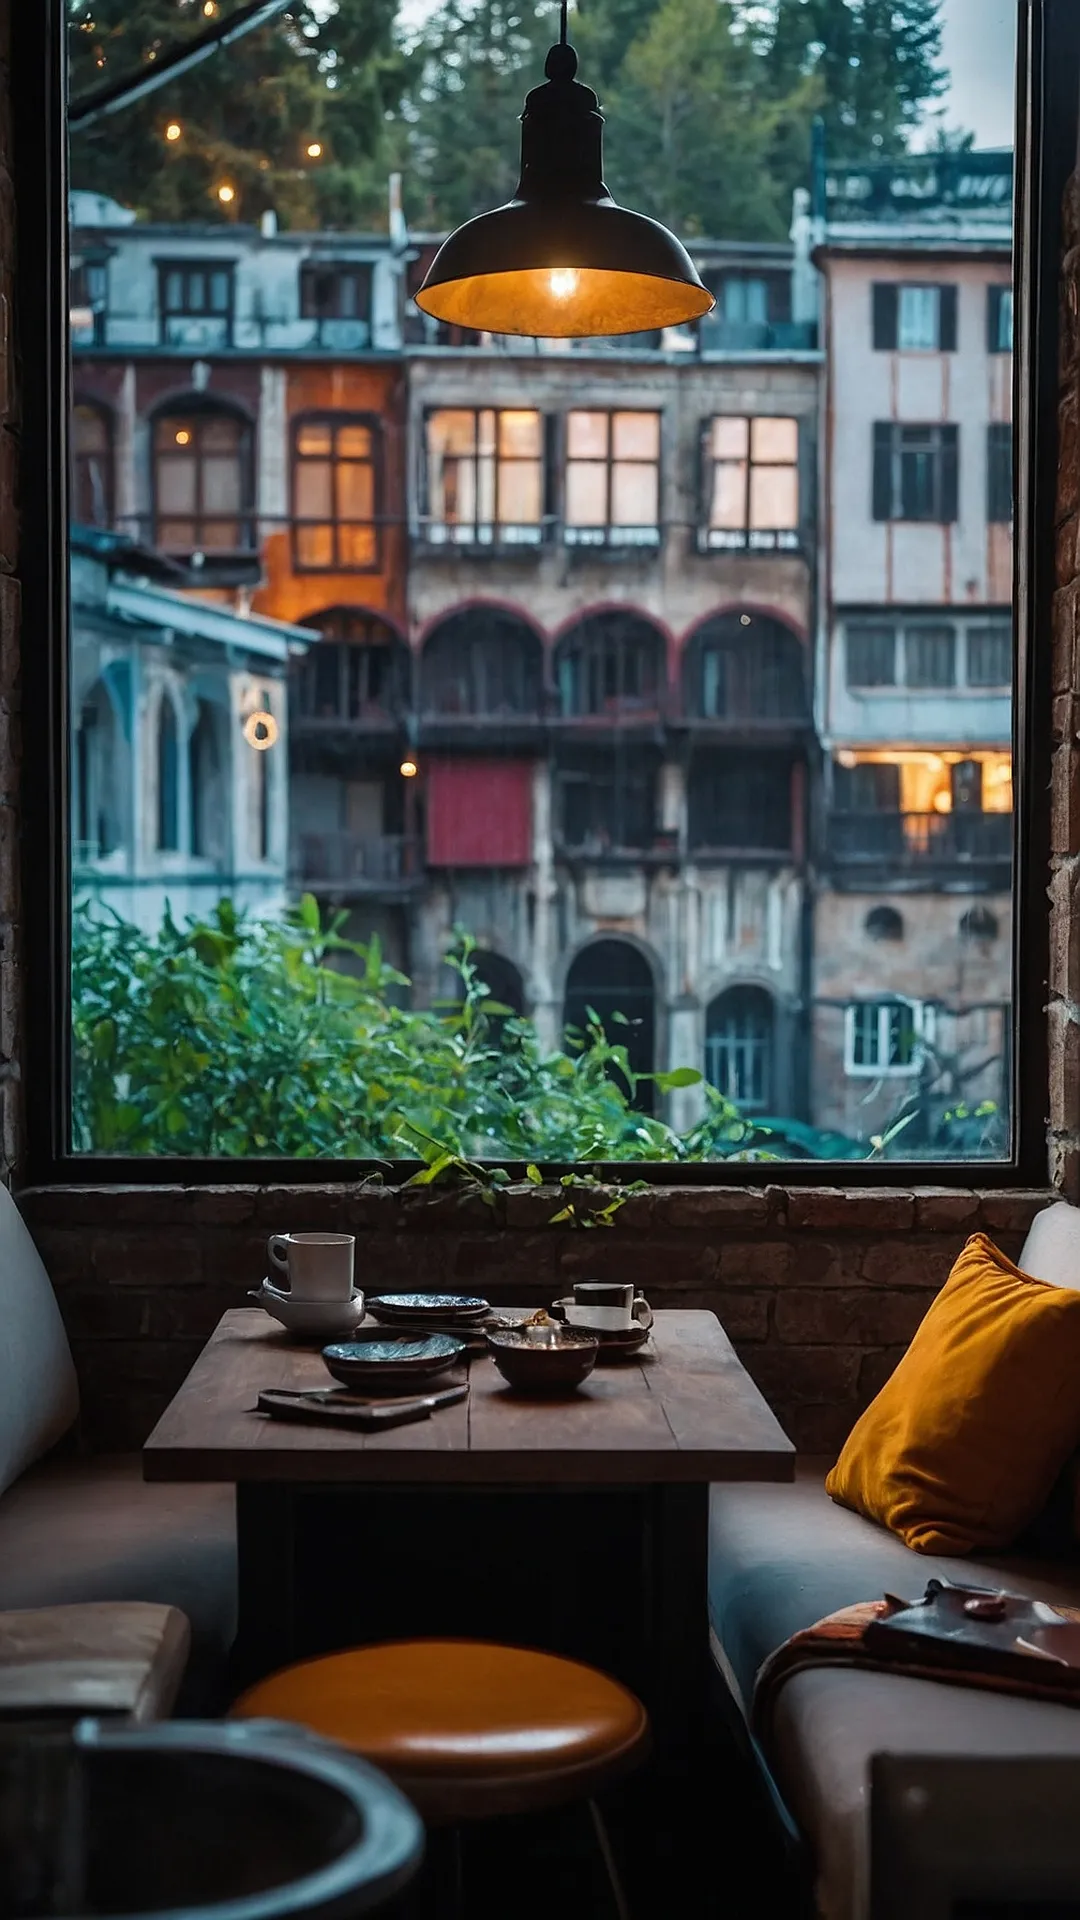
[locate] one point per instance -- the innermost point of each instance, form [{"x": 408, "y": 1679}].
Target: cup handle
[{"x": 276, "y": 1249}]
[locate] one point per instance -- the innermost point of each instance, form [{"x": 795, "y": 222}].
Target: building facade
[{"x": 912, "y": 942}]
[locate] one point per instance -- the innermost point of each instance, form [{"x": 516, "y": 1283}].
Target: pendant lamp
[{"x": 561, "y": 260}]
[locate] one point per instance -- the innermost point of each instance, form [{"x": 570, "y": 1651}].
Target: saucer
[
  {"x": 309, "y": 1319},
  {"x": 615, "y": 1342}
]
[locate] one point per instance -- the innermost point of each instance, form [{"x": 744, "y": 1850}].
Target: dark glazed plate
[
  {"x": 398, "y": 1309},
  {"x": 379, "y": 1364},
  {"x": 549, "y": 1360}
]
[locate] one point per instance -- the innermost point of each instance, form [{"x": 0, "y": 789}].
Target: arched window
[
  {"x": 99, "y": 773},
  {"x": 739, "y": 1047},
  {"x": 207, "y": 786},
  {"x": 884, "y": 923},
  {"x": 742, "y": 667},
  {"x": 358, "y": 671},
  {"x": 203, "y": 487},
  {"x": 610, "y": 664},
  {"x": 168, "y": 772},
  {"x": 91, "y": 465},
  {"x": 740, "y": 802},
  {"x": 500, "y": 977},
  {"x": 481, "y": 662},
  {"x": 978, "y": 923},
  {"x": 613, "y": 979}
]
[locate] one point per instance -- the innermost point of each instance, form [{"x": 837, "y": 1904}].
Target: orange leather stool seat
[{"x": 467, "y": 1729}]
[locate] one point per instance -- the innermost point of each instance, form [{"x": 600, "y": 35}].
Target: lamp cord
[{"x": 562, "y": 22}]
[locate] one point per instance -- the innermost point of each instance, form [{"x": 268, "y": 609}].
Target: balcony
[
  {"x": 926, "y": 847},
  {"x": 346, "y": 864},
  {"x": 717, "y": 335}
]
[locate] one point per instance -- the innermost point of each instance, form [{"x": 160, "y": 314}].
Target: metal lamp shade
[{"x": 561, "y": 260}]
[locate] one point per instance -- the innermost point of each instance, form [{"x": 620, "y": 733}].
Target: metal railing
[
  {"x": 343, "y": 858},
  {"x": 921, "y": 839}
]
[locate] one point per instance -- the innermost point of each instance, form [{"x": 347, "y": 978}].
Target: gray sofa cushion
[
  {"x": 79, "y": 1530},
  {"x": 39, "y": 1396}
]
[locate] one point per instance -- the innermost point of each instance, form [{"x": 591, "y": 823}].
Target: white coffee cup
[
  {"x": 607, "y": 1305},
  {"x": 319, "y": 1266}
]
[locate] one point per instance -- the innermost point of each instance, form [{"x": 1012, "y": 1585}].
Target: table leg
[{"x": 266, "y": 1636}]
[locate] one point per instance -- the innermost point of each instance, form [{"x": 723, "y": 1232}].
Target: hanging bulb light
[{"x": 561, "y": 259}]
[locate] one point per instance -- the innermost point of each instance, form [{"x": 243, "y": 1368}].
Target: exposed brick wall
[
  {"x": 1064, "y": 1009},
  {"x": 819, "y": 1289},
  {"x": 11, "y": 1002}
]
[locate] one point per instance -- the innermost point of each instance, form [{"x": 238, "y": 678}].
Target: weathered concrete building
[{"x": 912, "y": 936}]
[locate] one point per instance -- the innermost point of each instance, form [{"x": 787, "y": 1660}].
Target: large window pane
[{"x": 668, "y": 675}]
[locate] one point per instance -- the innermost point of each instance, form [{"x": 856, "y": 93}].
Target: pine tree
[
  {"x": 247, "y": 116},
  {"x": 877, "y": 64}
]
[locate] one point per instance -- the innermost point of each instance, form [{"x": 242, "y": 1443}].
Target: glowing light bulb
[
  {"x": 260, "y": 731},
  {"x": 314, "y": 149},
  {"x": 226, "y": 195},
  {"x": 173, "y": 130},
  {"x": 408, "y": 769},
  {"x": 183, "y": 437},
  {"x": 209, "y": 8},
  {"x": 563, "y": 283}
]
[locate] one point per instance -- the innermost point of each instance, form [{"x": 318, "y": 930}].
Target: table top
[{"x": 683, "y": 1410}]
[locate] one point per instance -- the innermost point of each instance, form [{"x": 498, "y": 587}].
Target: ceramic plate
[
  {"x": 378, "y": 1363},
  {"x": 433, "y": 1308}
]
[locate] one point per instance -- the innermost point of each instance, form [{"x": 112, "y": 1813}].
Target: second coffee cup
[{"x": 319, "y": 1266}]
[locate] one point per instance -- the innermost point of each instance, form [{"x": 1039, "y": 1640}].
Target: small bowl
[{"x": 544, "y": 1359}]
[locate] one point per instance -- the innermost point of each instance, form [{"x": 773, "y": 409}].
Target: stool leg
[{"x": 604, "y": 1844}]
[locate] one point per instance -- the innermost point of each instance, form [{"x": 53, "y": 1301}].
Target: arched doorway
[
  {"x": 739, "y": 1047},
  {"x": 612, "y": 977},
  {"x": 502, "y": 979}
]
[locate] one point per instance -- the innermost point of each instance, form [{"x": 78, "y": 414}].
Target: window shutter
[
  {"x": 886, "y": 303},
  {"x": 947, "y": 340},
  {"x": 950, "y": 473},
  {"x": 882, "y": 470},
  {"x": 551, "y": 469},
  {"x": 993, "y": 318}
]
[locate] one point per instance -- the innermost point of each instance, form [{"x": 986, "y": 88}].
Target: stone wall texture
[{"x": 820, "y": 1289}]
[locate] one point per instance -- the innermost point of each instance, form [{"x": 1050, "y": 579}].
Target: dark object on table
[
  {"x": 616, "y": 1343},
  {"x": 544, "y": 1359},
  {"x": 197, "y": 1818},
  {"x": 337, "y": 1408},
  {"x": 432, "y": 1309},
  {"x": 381, "y": 1366}
]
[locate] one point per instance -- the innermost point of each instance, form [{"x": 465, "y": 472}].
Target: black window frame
[
  {"x": 999, "y": 474},
  {"x": 590, "y": 535},
  {"x": 197, "y": 408},
  {"x": 895, "y": 444},
  {"x": 336, "y": 420},
  {"x": 205, "y": 311},
  {"x": 315, "y": 272},
  {"x": 1046, "y": 145},
  {"x": 885, "y": 315}
]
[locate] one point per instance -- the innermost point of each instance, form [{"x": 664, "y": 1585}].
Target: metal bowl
[{"x": 544, "y": 1359}]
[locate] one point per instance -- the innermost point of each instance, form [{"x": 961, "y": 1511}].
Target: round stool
[{"x": 467, "y": 1729}]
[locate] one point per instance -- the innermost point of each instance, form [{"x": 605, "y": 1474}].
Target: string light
[
  {"x": 173, "y": 130},
  {"x": 260, "y": 731},
  {"x": 408, "y": 769},
  {"x": 314, "y": 150},
  {"x": 209, "y": 9},
  {"x": 183, "y": 437},
  {"x": 226, "y": 195}
]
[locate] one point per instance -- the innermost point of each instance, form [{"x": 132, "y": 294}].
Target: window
[
  {"x": 915, "y": 319},
  {"x": 884, "y": 923},
  {"x": 612, "y": 479},
  {"x": 886, "y": 1036},
  {"x": 871, "y": 656},
  {"x": 335, "y": 494},
  {"x": 999, "y": 472},
  {"x": 989, "y": 656},
  {"x": 739, "y": 1047},
  {"x": 610, "y": 665},
  {"x": 358, "y": 672},
  {"x": 605, "y": 806},
  {"x": 745, "y": 667},
  {"x": 915, "y": 472},
  {"x": 202, "y": 481},
  {"x": 740, "y": 802},
  {"x": 978, "y": 923},
  {"x": 337, "y": 294},
  {"x": 744, "y": 300},
  {"x": 168, "y": 777},
  {"x": 92, "y": 465},
  {"x": 196, "y": 303},
  {"x": 752, "y": 484},
  {"x": 930, "y": 657},
  {"x": 485, "y": 476},
  {"x": 481, "y": 664},
  {"x": 999, "y": 319}
]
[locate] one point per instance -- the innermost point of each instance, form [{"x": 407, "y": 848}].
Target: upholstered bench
[
  {"x": 783, "y": 1557},
  {"x": 75, "y": 1530}
]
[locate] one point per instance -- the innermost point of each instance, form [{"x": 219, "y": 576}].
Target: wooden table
[{"x": 579, "y": 1524}]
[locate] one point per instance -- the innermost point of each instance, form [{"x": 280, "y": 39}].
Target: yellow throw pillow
[{"x": 962, "y": 1445}]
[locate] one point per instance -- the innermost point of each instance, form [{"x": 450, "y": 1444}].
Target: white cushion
[
  {"x": 1052, "y": 1249},
  {"x": 39, "y": 1395}
]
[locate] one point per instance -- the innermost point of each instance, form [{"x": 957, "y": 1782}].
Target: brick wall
[
  {"x": 819, "y": 1289},
  {"x": 1064, "y": 1009}
]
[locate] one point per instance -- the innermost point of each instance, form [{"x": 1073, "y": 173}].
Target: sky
[{"x": 979, "y": 47}]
